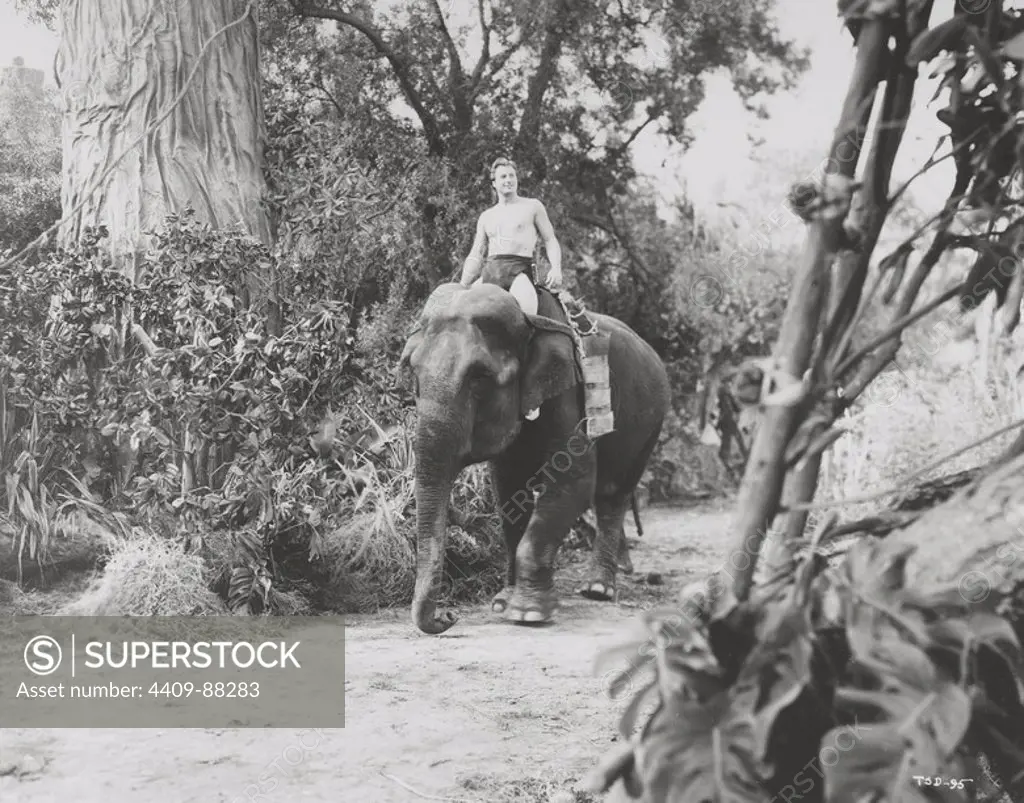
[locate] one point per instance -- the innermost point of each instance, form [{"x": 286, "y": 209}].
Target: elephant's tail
[{"x": 636, "y": 514}]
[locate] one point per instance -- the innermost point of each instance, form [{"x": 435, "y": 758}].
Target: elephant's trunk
[{"x": 436, "y": 467}]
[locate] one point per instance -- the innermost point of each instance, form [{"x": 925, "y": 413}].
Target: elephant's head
[{"x": 478, "y": 363}]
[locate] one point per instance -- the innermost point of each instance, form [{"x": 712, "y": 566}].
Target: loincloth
[{"x": 502, "y": 269}]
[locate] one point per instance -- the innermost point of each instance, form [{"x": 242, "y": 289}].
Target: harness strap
[{"x": 550, "y": 325}]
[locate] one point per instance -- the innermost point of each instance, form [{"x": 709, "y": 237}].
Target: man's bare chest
[{"x": 508, "y": 222}]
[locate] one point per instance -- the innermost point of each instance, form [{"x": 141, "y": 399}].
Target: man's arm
[
  {"x": 551, "y": 246},
  {"x": 474, "y": 264}
]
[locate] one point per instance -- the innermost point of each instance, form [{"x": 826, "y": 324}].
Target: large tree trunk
[{"x": 120, "y": 67}]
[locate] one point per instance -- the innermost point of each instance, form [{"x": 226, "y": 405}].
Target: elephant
[{"x": 478, "y": 363}]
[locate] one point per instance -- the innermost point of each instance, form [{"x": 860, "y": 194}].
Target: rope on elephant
[{"x": 568, "y": 302}]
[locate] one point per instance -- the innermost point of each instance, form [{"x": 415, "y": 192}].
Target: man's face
[{"x": 505, "y": 180}]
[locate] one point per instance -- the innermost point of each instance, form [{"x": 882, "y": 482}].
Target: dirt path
[{"x": 489, "y": 712}]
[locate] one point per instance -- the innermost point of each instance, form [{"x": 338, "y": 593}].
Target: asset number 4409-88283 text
[{"x": 207, "y": 690}]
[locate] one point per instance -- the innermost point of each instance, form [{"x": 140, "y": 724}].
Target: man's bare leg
[{"x": 525, "y": 293}]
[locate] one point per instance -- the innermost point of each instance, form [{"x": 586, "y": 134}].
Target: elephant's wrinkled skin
[{"x": 479, "y": 363}]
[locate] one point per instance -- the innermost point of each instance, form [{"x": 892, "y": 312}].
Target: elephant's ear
[{"x": 550, "y": 368}]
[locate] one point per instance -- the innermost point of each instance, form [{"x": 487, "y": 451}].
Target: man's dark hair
[{"x": 502, "y": 161}]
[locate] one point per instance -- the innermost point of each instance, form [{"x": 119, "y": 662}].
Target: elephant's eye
[{"x": 479, "y": 376}]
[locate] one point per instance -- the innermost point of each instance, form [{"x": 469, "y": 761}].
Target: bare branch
[
  {"x": 529, "y": 123},
  {"x": 485, "y": 52},
  {"x": 898, "y": 326},
  {"x": 399, "y": 66},
  {"x": 479, "y": 81},
  {"x": 449, "y": 43},
  {"x": 457, "y": 84},
  {"x": 764, "y": 477},
  {"x": 319, "y": 84},
  {"x": 619, "y": 150},
  {"x": 905, "y": 484}
]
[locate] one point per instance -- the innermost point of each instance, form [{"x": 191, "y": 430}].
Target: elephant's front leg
[
  {"x": 534, "y": 599},
  {"x": 515, "y": 506}
]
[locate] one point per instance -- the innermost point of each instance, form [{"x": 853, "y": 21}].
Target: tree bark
[
  {"x": 974, "y": 541},
  {"x": 121, "y": 66}
]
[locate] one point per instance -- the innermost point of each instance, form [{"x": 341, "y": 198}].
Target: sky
[
  {"x": 716, "y": 170},
  {"x": 34, "y": 43}
]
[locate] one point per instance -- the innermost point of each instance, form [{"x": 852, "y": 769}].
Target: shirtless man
[{"x": 507, "y": 233}]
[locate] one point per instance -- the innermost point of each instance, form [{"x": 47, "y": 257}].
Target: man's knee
[{"x": 525, "y": 293}]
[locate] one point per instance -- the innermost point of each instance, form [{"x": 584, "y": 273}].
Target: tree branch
[
  {"x": 609, "y": 227},
  {"x": 319, "y": 84},
  {"x": 894, "y": 330},
  {"x": 485, "y": 52},
  {"x": 619, "y": 150},
  {"x": 763, "y": 479},
  {"x": 529, "y": 123},
  {"x": 449, "y": 43},
  {"x": 403, "y": 75},
  {"x": 457, "y": 83},
  {"x": 479, "y": 81}
]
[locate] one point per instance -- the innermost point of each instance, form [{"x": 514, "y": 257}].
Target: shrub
[{"x": 173, "y": 400}]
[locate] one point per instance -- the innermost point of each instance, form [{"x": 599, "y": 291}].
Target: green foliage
[
  {"x": 897, "y": 684},
  {"x": 170, "y": 398},
  {"x": 380, "y": 164}
]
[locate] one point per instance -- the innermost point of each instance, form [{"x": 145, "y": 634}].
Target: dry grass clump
[
  {"x": 549, "y": 789},
  {"x": 370, "y": 567},
  {"x": 15, "y": 602},
  {"x": 149, "y": 576}
]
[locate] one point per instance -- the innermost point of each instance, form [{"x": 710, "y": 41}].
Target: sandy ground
[{"x": 488, "y": 712}]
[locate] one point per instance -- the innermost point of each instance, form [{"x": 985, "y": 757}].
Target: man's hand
[{"x": 554, "y": 278}]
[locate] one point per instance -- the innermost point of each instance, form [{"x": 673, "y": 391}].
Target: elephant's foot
[
  {"x": 500, "y": 601},
  {"x": 625, "y": 563},
  {"x": 532, "y": 608},
  {"x": 600, "y": 587}
]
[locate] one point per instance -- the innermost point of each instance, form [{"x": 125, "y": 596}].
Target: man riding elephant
[
  {"x": 507, "y": 235},
  {"x": 499, "y": 379}
]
